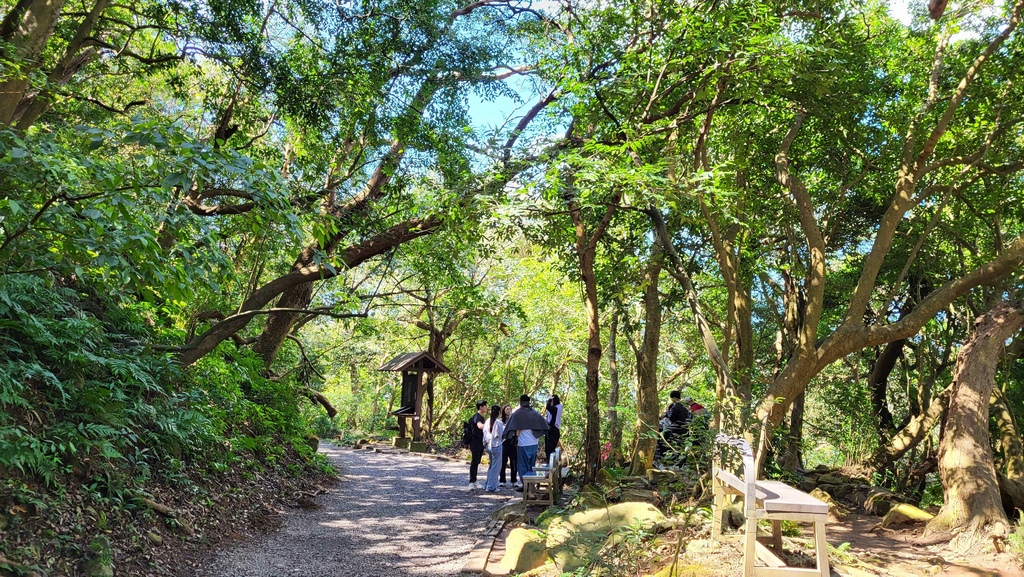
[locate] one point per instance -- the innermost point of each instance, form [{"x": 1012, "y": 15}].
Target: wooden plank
[
  {"x": 780, "y": 497},
  {"x": 765, "y": 554},
  {"x": 731, "y": 480}
]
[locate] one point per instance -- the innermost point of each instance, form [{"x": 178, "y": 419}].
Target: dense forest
[{"x": 220, "y": 218}]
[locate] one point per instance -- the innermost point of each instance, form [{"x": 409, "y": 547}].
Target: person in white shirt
[
  {"x": 529, "y": 425},
  {"x": 494, "y": 429}
]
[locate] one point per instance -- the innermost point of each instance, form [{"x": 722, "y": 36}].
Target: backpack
[{"x": 467, "y": 432}]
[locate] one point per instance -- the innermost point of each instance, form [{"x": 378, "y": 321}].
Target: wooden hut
[{"x": 414, "y": 368}]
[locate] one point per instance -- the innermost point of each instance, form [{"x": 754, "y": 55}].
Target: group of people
[
  {"x": 683, "y": 418},
  {"x": 511, "y": 437}
]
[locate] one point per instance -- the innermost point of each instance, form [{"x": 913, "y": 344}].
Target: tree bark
[
  {"x": 915, "y": 431},
  {"x": 614, "y": 427},
  {"x": 647, "y": 372},
  {"x": 352, "y": 256},
  {"x": 878, "y": 382},
  {"x": 966, "y": 467},
  {"x": 31, "y": 108},
  {"x": 792, "y": 454},
  {"x": 586, "y": 252},
  {"x": 27, "y": 40}
]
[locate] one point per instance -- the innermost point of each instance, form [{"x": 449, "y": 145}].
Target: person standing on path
[
  {"x": 529, "y": 426},
  {"x": 476, "y": 443},
  {"x": 509, "y": 451},
  {"x": 494, "y": 428},
  {"x": 553, "y": 416}
]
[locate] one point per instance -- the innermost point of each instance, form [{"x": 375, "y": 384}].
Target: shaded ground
[
  {"x": 870, "y": 551},
  {"x": 390, "y": 514}
]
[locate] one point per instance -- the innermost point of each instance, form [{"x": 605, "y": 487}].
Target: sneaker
[
  {"x": 519, "y": 489},
  {"x": 500, "y": 485}
]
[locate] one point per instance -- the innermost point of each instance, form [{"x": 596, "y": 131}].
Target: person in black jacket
[
  {"x": 476, "y": 443},
  {"x": 510, "y": 451},
  {"x": 674, "y": 424}
]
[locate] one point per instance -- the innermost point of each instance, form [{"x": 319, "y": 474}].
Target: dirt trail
[{"x": 390, "y": 514}]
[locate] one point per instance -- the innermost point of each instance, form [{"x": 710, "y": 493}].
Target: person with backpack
[
  {"x": 494, "y": 428},
  {"x": 476, "y": 441}
]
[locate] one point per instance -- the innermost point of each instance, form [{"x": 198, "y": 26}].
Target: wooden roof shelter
[
  {"x": 413, "y": 366},
  {"x": 420, "y": 362}
]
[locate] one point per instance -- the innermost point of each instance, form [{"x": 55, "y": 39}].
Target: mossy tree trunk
[
  {"x": 966, "y": 466},
  {"x": 614, "y": 427},
  {"x": 647, "y": 372}
]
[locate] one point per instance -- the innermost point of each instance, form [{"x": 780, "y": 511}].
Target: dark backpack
[{"x": 467, "y": 432}]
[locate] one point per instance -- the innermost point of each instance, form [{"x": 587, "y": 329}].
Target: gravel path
[{"x": 391, "y": 514}]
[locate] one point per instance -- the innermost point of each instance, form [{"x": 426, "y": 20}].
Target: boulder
[
  {"x": 605, "y": 478},
  {"x": 904, "y": 513},
  {"x": 593, "y": 497},
  {"x": 524, "y": 550},
  {"x": 573, "y": 539},
  {"x": 656, "y": 476},
  {"x": 832, "y": 479},
  {"x": 634, "y": 482},
  {"x": 836, "y": 511},
  {"x": 513, "y": 511},
  {"x": 546, "y": 517},
  {"x": 878, "y": 501},
  {"x": 313, "y": 441}
]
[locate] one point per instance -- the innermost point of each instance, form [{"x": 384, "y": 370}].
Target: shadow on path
[{"x": 390, "y": 514}]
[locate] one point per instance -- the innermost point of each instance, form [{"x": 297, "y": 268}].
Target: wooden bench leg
[
  {"x": 777, "y": 536},
  {"x": 717, "y": 512},
  {"x": 749, "y": 547},
  {"x": 821, "y": 548}
]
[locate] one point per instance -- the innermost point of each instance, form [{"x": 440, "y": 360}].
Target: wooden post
[{"x": 420, "y": 390}]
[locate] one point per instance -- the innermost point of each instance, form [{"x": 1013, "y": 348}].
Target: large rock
[
  {"x": 524, "y": 550},
  {"x": 511, "y": 512},
  {"x": 836, "y": 511},
  {"x": 879, "y": 501},
  {"x": 655, "y": 476},
  {"x": 904, "y": 513},
  {"x": 593, "y": 497},
  {"x": 605, "y": 478},
  {"x": 573, "y": 539}
]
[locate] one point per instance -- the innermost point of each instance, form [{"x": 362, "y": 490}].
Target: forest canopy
[{"x": 219, "y": 218}]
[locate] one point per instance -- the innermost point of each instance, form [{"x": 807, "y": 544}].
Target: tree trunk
[
  {"x": 647, "y": 372},
  {"x": 916, "y": 430},
  {"x": 1011, "y": 452},
  {"x": 966, "y": 467},
  {"x": 878, "y": 382},
  {"x": 27, "y": 42},
  {"x": 352, "y": 256},
  {"x": 792, "y": 454},
  {"x": 614, "y": 428},
  {"x": 592, "y": 432},
  {"x": 31, "y": 108}
]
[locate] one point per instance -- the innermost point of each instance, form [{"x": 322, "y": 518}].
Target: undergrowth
[{"x": 95, "y": 427}]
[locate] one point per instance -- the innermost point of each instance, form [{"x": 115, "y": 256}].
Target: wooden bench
[
  {"x": 542, "y": 486},
  {"x": 770, "y": 500}
]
